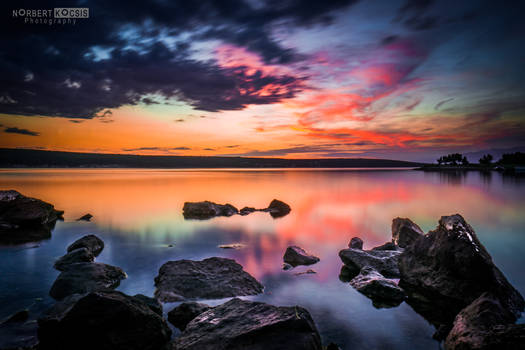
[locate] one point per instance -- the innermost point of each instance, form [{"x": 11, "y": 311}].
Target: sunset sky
[{"x": 409, "y": 79}]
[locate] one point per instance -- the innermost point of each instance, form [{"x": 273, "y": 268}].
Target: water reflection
[{"x": 138, "y": 213}]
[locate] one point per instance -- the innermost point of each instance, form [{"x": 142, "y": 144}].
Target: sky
[{"x": 409, "y": 79}]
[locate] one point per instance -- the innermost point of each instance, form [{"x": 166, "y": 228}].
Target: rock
[
  {"x": 18, "y": 335},
  {"x": 356, "y": 243},
  {"x": 104, "y": 320},
  {"x": 278, "y": 209},
  {"x": 386, "y": 246},
  {"x": 75, "y": 256},
  {"x": 485, "y": 324},
  {"x": 86, "y": 277},
  {"x": 247, "y": 210},
  {"x": 24, "y": 219},
  {"x": 20, "y": 316},
  {"x": 307, "y": 272},
  {"x": 332, "y": 346},
  {"x": 287, "y": 266},
  {"x": 449, "y": 268},
  {"x": 211, "y": 278},
  {"x": 91, "y": 242},
  {"x": 185, "y": 312},
  {"x": 232, "y": 246},
  {"x": 378, "y": 288},
  {"x": 152, "y": 303},
  {"x": 86, "y": 217},
  {"x": 383, "y": 261},
  {"x": 295, "y": 256},
  {"x": 207, "y": 210},
  {"x": 240, "y": 324},
  {"x": 404, "y": 232},
  {"x": 347, "y": 273}
]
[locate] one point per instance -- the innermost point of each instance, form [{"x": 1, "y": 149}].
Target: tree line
[{"x": 456, "y": 159}]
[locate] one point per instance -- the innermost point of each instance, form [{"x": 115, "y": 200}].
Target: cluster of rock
[
  {"x": 447, "y": 276},
  {"x": 207, "y": 210},
  {"x": 24, "y": 219}
]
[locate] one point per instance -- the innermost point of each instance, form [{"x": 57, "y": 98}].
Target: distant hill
[{"x": 13, "y": 158}]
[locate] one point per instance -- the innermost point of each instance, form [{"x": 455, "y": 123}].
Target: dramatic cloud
[{"x": 15, "y": 130}]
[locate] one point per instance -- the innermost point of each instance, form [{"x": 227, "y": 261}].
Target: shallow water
[{"x": 138, "y": 214}]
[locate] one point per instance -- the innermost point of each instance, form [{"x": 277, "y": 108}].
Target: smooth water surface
[{"x": 138, "y": 214}]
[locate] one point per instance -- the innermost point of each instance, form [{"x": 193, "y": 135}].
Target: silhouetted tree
[
  {"x": 453, "y": 159},
  {"x": 486, "y": 159},
  {"x": 464, "y": 161},
  {"x": 517, "y": 158}
]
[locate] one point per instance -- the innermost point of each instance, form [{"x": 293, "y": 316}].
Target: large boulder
[
  {"x": 295, "y": 256},
  {"x": 356, "y": 243},
  {"x": 91, "y": 242},
  {"x": 404, "y": 232},
  {"x": 207, "y": 210},
  {"x": 211, "y": 278},
  {"x": 24, "y": 219},
  {"x": 73, "y": 257},
  {"x": 449, "y": 268},
  {"x": 240, "y": 324},
  {"x": 382, "y": 291},
  {"x": 152, "y": 303},
  {"x": 86, "y": 277},
  {"x": 485, "y": 324},
  {"x": 107, "y": 320},
  {"x": 185, "y": 312},
  {"x": 383, "y": 261},
  {"x": 278, "y": 208}
]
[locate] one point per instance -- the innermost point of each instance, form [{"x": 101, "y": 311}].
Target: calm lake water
[{"x": 138, "y": 214}]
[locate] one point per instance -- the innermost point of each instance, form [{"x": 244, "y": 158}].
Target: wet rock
[
  {"x": 24, "y": 219},
  {"x": 18, "y": 335},
  {"x": 90, "y": 242},
  {"x": 278, "y": 209},
  {"x": 20, "y": 316},
  {"x": 207, "y": 210},
  {"x": 152, "y": 303},
  {"x": 356, "y": 243},
  {"x": 287, "y": 267},
  {"x": 347, "y": 273},
  {"x": 247, "y": 210},
  {"x": 485, "y": 324},
  {"x": 307, "y": 272},
  {"x": 211, "y": 278},
  {"x": 75, "y": 256},
  {"x": 240, "y": 324},
  {"x": 387, "y": 246},
  {"x": 232, "y": 246},
  {"x": 332, "y": 346},
  {"x": 185, "y": 312},
  {"x": 295, "y": 256},
  {"x": 104, "y": 320},
  {"x": 86, "y": 277},
  {"x": 383, "y": 261},
  {"x": 86, "y": 217},
  {"x": 378, "y": 288},
  {"x": 447, "y": 269},
  {"x": 404, "y": 232}
]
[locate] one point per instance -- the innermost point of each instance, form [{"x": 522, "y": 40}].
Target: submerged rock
[
  {"x": 381, "y": 290},
  {"x": 211, "y": 278},
  {"x": 295, "y": 256},
  {"x": 185, "y": 312},
  {"x": 278, "y": 209},
  {"x": 383, "y": 261},
  {"x": 404, "y": 232},
  {"x": 91, "y": 242},
  {"x": 103, "y": 320},
  {"x": 86, "y": 277},
  {"x": 74, "y": 256},
  {"x": 20, "y": 316},
  {"x": 307, "y": 272},
  {"x": 240, "y": 324},
  {"x": 24, "y": 219},
  {"x": 207, "y": 210},
  {"x": 356, "y": 243},
  {"x": 447, "y": 269},
  {"x": 247, "y": 210},
  {"x": 86, "y": 217}
]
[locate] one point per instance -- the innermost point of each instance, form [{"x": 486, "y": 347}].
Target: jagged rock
[
  {"x": 20, "y": 316},
  {"x": 103, "y": 320},
  {"x": 207, "y": 210},
  {"x": 404, "y": 232},
  {"x": 247, "y": 210},
  {"x": 485, "y": 324},
  {"x": 24, "y": 219},
  {"x": 447, "y": 269},
  {"x": 75, "y": 256},
  {"x": 185, "y": 312},
  {"x": 356, "y": 243},
  {"x": 387, "y": 246},
  {"x": 90, "y": 242},
  {"x": 383, "y": 261},
  {"x": 278, "y": 209},
  {"x": 211, "y": 278},
  {"x": 86, "y": 277},
  {"x": 295, "y": 256},
  {"x": 86, "y": 217},
  {"x": 152, "y": 303},
  {"x": 240, "y": 324},
  {"x": 378, "y": 288}
]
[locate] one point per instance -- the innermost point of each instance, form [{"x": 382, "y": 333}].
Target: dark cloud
[
  {"x": 209, "y": 149},
  {"x": 441, "y": 103},
  {"x": 179, "y": 120},
  {"x": 165, "y": 149},
  {"x": 15, "y": 130},
  {"x": 389, "y": 39},
  {"x": 76, "y": 121},
  {"x": 232, "y": 146}
]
